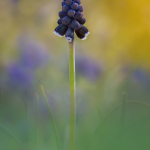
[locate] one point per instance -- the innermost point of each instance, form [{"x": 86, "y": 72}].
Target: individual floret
[
  {"x": 60, "y": 30},
  {"x": 75, "y": 25},
  {"x": 75, "y": 6},
  {"x": 66, "y": 20},
  {"x": 69, "y": 35},
  {"x": 82, "y": 33},
  {"x": 65, "y": 8},
  {"x": 71, "y": 13},
  {"x": 62, "y": 14}
]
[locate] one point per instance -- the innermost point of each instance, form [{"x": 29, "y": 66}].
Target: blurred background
[{"x": 115, "y": 59}]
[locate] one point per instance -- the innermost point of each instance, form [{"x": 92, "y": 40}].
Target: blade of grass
[
  {"x": 10, "y": 133},
  {"x": 51, "y": 115}
]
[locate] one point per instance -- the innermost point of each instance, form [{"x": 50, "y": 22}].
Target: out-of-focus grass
[{"x": 19, "y": 118}]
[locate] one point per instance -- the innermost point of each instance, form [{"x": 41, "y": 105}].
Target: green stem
[
  {"x": 72, "y": 95},
  {"x": 51, "y": 115}
]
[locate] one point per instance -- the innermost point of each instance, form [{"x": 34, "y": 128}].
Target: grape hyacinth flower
[{"x": 71, "y": 20}]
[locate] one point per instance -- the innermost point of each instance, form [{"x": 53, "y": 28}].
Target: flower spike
[{"x": 71, "y": 20}]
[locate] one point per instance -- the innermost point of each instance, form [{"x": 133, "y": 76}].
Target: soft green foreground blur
[{"x": 115, "y": 59}]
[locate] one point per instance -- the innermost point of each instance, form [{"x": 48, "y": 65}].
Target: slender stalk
[
  {"x": 51, "y": 115},
  {"x": 72, "y": 95}
]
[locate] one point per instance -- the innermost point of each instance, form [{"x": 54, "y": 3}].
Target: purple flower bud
[
  {"x": 75, "y": 24},
  {"x": 80, "y": 8},
  {"x": 82, "y": 33},
  {"x": 68, "y": 2},
  {"x": 74, "y": 6},
  {"x": 63, "y": 3},
  {"x": 60, "y": 30},
  {"x": 77, "y": 1},
  {"x": 71, "y": 13},
  {"x": 69, "y": 34},
  {"x": 66, "y": 20},
  {"x": 62, "y": 14},
  {"x": 65, "y": 8},
  {"x": 59, "y": 21},
  {"x": 81, "y": 20},
  {"x": 78, "y": 15}
]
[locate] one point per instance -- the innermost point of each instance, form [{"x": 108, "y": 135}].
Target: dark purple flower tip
[
  {"x": 69, "y": 35},
  {"x": 63, "y": 3},
  {"x": 65, "y": 8},
  {"x": 66, "y": 20},
  {"x": 78, "y": 15},
  {"x": 75, "y": 24},
  {"x": 62, "y": 14},
  {"x": 71, "y": 13},
  {"x": 81, "y": 20},
  {"x": 82, "y": 33},
  {"x": 59, "y": 21},
  {"x": 68, "y": 2},
  {"x": 60, "y": 30},
  {"x": 77, "y": 1},
  {"x": 80, "y": 8},
  {"x": 74, "y": 6}
]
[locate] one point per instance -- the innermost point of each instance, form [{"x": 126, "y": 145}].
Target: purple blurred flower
[
  {"x": 33, "y": 54},
  {"x": 14, "y": 1},
  {"x": 20, "y": 76},
  {"x": 88, "y": 68},
  {"x": 142, "y": 77}
]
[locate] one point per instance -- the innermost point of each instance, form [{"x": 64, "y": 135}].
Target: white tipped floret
[
  {"x": 85, "y": 36},
  {"x": 57, "y": 34},
  {"x": 69, "y": 39}
]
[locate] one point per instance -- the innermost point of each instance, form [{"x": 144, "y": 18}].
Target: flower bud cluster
[{"x": 71, "y": 19}]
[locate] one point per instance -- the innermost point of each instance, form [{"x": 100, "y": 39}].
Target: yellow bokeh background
[{"x": 119, "y": 30}]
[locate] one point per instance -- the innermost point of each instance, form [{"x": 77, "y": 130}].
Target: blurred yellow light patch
[{"x": 120, "y": 30}]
